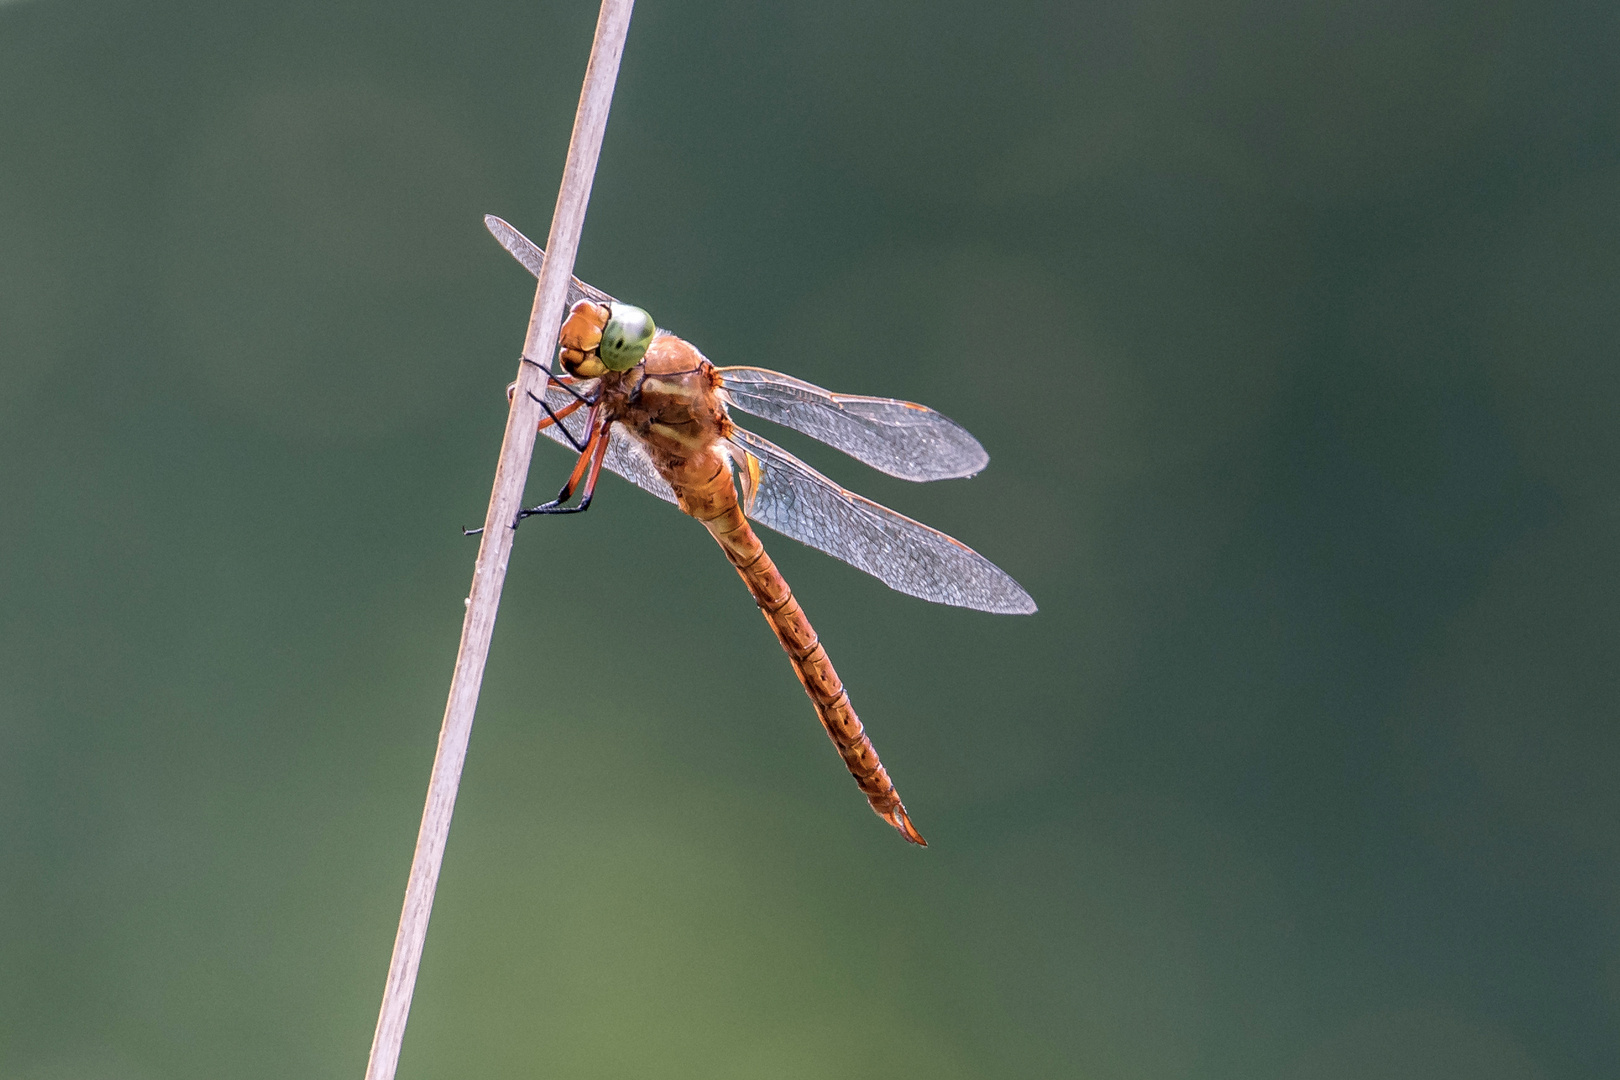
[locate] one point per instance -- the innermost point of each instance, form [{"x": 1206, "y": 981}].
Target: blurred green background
[{"x": 1290, "y": 327}]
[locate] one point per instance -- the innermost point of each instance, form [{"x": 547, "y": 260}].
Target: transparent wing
[
  {"x": 529, "y": 253},
  {"x": 624, "y": 455},
  {"x": 905, "y": 555},
  {"x": 900, "y": 438}
]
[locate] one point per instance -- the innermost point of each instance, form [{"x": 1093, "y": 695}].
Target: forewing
[
  {"x": 624, "y": 454},
  {"x": 529, "y": 253},
  {"x": 900, "y": 438},
  {"x": 905, "y": 555}
]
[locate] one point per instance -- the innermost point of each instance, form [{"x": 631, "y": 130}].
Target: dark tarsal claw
[{"x": 555, "y": 507}]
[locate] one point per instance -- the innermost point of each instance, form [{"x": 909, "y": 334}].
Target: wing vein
[
  {"x": 908, "y": 556},
  {"x": 901, "y": 438}
]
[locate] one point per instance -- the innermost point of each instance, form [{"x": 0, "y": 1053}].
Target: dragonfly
[{"x": 645, "y": 404}]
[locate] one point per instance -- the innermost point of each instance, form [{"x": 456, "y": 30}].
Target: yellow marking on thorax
[
  {"x": 677, "y": 435},
  {"x": 651, "y": 384}
]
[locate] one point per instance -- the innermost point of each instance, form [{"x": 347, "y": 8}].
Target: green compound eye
[{"x": 625, "y": 338}]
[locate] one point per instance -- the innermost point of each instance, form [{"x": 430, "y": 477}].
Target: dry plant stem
[{"x": 495, "y": 545}]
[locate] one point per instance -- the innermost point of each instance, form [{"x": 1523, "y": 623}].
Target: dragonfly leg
[
  {"x": 594, "y": 443},
  {"x": 565, "y": 383},
  {"x": 597, "y": 454},
  {"x": 556, "y": 418},
  {"x": 562, "y": 382},
  {"x": 574, "y": 477}
]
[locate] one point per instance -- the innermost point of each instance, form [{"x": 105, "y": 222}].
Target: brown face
[{"x": 580, "y": 338}]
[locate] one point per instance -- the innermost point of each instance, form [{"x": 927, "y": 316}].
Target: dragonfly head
[
  {"x": 625, "y": 338},
  {"x": 598, "y": 338}
]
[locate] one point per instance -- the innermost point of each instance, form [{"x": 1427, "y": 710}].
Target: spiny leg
[
  {"x": 580, "y": 465},
  {"x": 557, "y": 418},
  {"x": 597, "y": 455},
  {"x": 565, "y": 383},
  {"x": 595, "y": 440}
]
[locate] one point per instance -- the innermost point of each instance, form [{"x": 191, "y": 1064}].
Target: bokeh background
[{"x": 1291, "y": 328}]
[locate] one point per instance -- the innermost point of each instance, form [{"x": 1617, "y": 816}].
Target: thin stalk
[{"x": 495, "y": 544}]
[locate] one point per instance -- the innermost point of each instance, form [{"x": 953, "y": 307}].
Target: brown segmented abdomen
[
  {"x": 809, "y": 659},
  {"x": 683, "y": 427}
]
